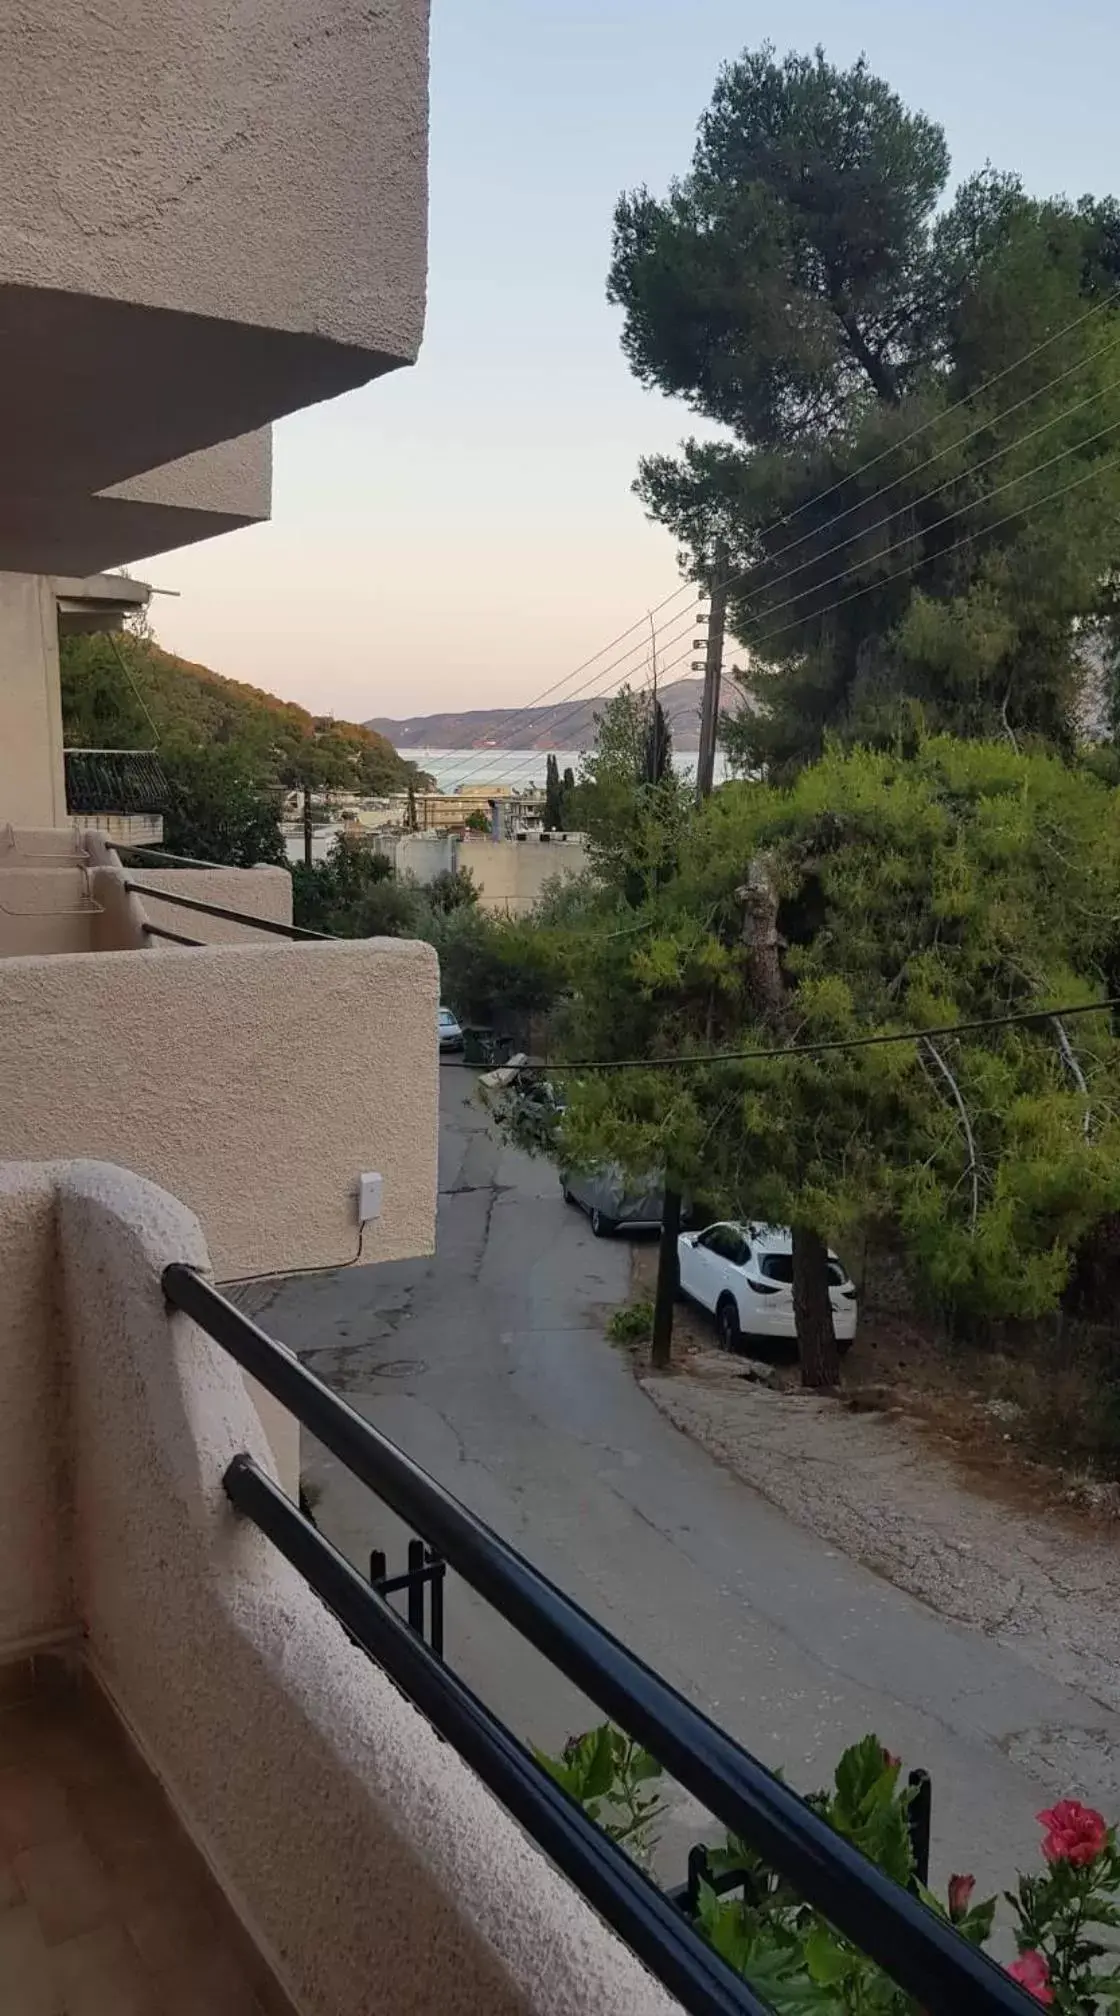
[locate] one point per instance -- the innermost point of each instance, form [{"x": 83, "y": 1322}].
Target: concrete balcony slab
[
  {"x": 216, "y": 215},
  {"x": 220, "y": 489}
]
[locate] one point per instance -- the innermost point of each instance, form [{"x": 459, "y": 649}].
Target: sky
[{"x": 463, "y": 533}]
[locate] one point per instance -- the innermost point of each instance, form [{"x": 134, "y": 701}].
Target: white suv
[{"x": 744, "y": 1275}]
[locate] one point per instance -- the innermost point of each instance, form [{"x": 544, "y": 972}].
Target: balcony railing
[
  {"x": 919, "y": 1950},
  {"x": 157, "y": 857},
  {"x": 217, "y": 910}
]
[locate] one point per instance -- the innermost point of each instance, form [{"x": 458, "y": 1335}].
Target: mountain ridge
[{"x": 565, "y": 725}]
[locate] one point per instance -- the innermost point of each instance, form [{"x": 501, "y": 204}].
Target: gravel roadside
[{"x": 870, "y": 1485}]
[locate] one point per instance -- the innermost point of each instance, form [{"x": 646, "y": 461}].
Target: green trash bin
[
  {"x": 477, "y": 1046},
  {"x": 485, "y": 1047}
]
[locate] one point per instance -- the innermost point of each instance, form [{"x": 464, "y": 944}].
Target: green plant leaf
[
  {"x": 644, "y": 1765},
  {"x": 976, "y": 1925},
  {"x": 599, "y": 1764},
  {"x": 828, "y": 1961},
  {"x": 859, "y": 1775}
]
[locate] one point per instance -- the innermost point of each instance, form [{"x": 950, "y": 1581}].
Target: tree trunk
[
  {"x": 667, "y": 1276},
  {"x": 762, "y": 945},
  {"x": 812, "y": 1305},
  {"x": 812, "y": 1309},
  {"x": 307, "y": 827},
  {"x": 872, "y": 361}
]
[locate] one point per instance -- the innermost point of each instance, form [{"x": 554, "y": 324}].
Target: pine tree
[{"x": 553, "y": 798}]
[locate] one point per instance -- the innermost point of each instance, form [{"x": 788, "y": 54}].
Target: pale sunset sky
[{"x": 463, "y": 534}]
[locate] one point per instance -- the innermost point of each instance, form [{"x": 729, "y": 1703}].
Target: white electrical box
[{"x": 369, "y": 1197}]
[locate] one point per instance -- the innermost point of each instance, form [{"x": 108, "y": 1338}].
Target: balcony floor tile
[{"x": 105, "y": 1909}]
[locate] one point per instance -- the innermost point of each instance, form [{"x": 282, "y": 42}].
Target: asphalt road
[{"x": 487, "y": 1363}]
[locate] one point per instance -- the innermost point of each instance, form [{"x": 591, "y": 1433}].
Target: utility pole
[
  {"x": 653, "y": 749},
  {"x": 668, "y": 1276},
  {"x": 713, "y": 670}
]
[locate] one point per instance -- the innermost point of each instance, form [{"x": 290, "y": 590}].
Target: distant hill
[
  {"x": 189, "y": 706},
  {"x": 566, "y": 725}
]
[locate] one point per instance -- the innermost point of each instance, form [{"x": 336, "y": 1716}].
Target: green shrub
[
  {"x": 631, "y": 1324},
  {"x": 793, "y": 1957}
]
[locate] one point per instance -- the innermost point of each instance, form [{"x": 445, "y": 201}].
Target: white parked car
[
  {"x": 744, "y": 1275},
  {"x": 450, "y": 1034}
]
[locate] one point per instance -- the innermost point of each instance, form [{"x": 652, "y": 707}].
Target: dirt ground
[
  {"x": 921, "y": 1477},
  {"x": 899, "y": 1366}
]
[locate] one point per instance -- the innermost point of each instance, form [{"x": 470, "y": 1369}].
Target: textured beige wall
[
  {"x": 197, "y": 497},
  {"x": 52, "y": 902},
  {"x": 265, "y": 162},
  {"x": 256, "y": 1081},
  {"x": 32, "y": 785},
  {"x": 511, "y": 873},
  {"x": 44, "y": 909},
  {"x": 117, "y": 925},
  {"x": 232, "y": 479},
  {"x": 422, "y": 855},
  {"x": 259, "y": 892},
  {"x": 35, "y": 1601},
  {"x": 60, "y": 846},
  {"x": 213, "y": 215},
  {"x": 373, "y": 1869}
]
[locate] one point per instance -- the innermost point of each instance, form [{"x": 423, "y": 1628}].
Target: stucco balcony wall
[
  {"x": 370, "y": 1869},
  {"x": 255, "y": 1077}
]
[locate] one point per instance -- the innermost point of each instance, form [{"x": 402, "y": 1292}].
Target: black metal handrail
[
  {"x": 173, "y": 937},
  {"x": 650, "y": 1924},
  {"x": 919, "y": 1950},
  {"x": 153, "y": 856},
  {"x": 219, "y": 910}
]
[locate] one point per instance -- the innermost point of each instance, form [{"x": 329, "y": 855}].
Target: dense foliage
[
  {"x": 918, "y": 494},
  {"x": 1063, "y": 1920},
  {"x": 228, "y": 751},
  {"x": 335, "y": 895},
  {"x": 494, "y": 970},
  {"x": 354, "y": 893},
  {"x": 962, "y": 882},
  {"x": 630, "y": 803},
  {"x": 216, "y": 809}
]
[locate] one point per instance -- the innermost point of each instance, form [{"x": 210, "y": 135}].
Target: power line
[
  {"x": 961, "y": 441},
  {"x": 935, "y": 418},
  {"x": 576, "y": 703},
  {"x": 516, "y": 714},
  {"x": 695, "y": 1060},
  {"x": 974, "y": 504},
  {"x": 845, "y": 573},
  {"x": 897, "y": 573},
  {"x": 873, "y": 462},
  {"x": 821, "y": 497},
  {"x": 576, "y": 706},
  {"x": 915, "y": 503}
]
